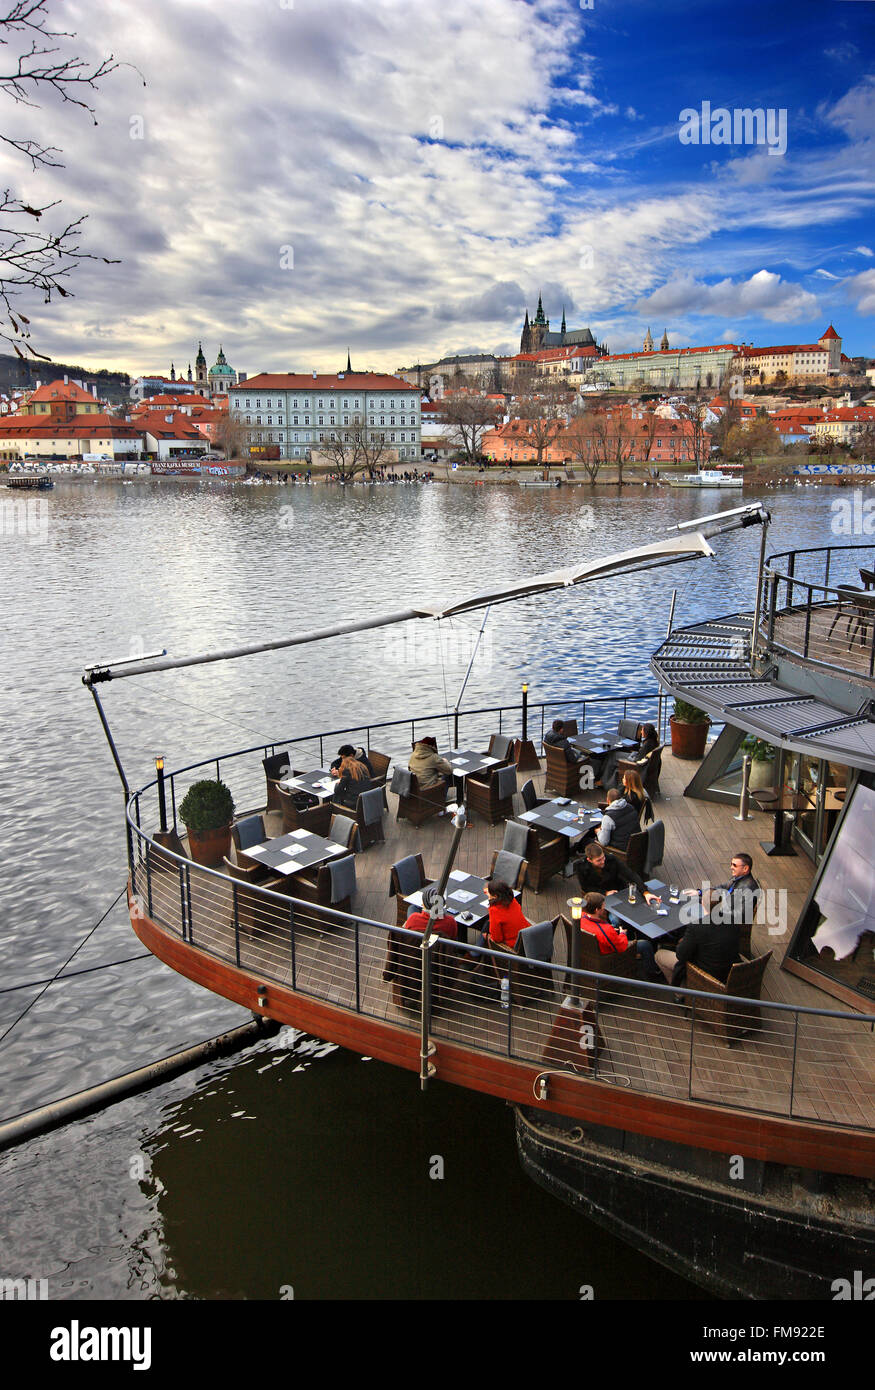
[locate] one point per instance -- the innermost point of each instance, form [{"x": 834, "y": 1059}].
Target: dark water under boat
[{"x": 327, "y": 1156}]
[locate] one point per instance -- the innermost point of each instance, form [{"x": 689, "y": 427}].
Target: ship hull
[{"x": 771, "y": 1233}]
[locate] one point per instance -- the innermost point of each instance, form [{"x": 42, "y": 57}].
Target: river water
[{"x": 328, "y": 1156}]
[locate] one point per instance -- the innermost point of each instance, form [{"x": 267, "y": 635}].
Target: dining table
[
  {"x": 465, "y": 898},
  {"x": 299, "y": 849},
  {"x": 318, "y": 783}
]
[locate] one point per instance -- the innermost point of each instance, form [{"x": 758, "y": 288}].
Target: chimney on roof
[
  {"x": 314, "y": 373},
  {"x": 168, "y": 419},
  {"x": 66, "y": 379},
  {"x": 94, "y": 389}
]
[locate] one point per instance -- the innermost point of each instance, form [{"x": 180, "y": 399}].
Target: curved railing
[
  {"x": 802, "y": 1055},
  {"x": 814, "y": 606}
]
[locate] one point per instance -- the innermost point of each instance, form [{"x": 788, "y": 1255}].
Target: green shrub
[
  {"x": 207, "y": 805},
  {"x": 759, "y": 750},
  {"x": 685, "y": 713}
]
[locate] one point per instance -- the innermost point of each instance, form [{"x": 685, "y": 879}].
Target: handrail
[
  {"x": 817, "y": 601},
  {"x": 192, "y": 901}
]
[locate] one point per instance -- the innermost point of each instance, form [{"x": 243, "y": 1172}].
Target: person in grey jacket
[
  {"x": 619, "y": 822},
  {"x": 426, "y": 765}
]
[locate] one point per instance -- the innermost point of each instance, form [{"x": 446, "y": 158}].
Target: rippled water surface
[{"x": 119, "y": 569}]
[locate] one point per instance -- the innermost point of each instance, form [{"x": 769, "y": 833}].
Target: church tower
[
  {"x": 563, "y": 330},
  {"x": 540, "y": 327},
  {"x": 200, "y": 369},
  {"x": 648, "y": 341},
  {"x": 526, "y": 335},
  {"x": 663, "y": 346}
]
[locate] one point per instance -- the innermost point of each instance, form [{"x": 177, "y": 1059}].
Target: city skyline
[{"x": 297, "y": 179}]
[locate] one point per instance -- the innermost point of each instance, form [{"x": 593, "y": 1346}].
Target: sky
[{"x": 402, "y": 178}]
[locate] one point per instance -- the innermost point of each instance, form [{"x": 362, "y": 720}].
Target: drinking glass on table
[
  {"x": 633, "y": 896},
  {"x": 674, "y": 893}
]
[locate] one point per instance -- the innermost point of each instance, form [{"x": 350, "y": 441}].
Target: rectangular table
[
  {"x": 319, "y": 783},
  {"x": 465, "y": 761},
  {"x": 299, "y": 849},
  {"x": 562, "y": 817},
  {"x": 589, "y": 742},
  {"x": 644, "y": 918},
  {"x": 465, "y": 893}
]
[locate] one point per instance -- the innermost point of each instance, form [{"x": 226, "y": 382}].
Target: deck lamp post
[
  {"x": 576, "y": 907},
  {"x": 524, "y": 754},
  {"x": 162, "y": 798}
]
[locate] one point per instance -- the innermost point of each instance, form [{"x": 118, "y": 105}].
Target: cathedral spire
[
  {"x": 563, "y": 321},
  {"x": 348, "y": 362}
]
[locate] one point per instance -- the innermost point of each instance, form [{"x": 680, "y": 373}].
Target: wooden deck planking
[{"x": 700, "y": 840}]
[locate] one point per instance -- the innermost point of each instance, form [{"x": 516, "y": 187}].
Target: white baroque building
[{"x": 300, "y": 411}]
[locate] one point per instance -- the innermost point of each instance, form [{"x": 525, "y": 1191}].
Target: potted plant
[
  {"x": 689, "y": 730},
  {"x": 762, "y": 762},
  {"x": 207, "y": 810}
]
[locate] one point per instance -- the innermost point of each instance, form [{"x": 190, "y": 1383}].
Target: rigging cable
[{"x": 50, "y": 982}]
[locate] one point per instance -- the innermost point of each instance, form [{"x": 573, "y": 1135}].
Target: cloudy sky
[{"x": 403, "y": 176}]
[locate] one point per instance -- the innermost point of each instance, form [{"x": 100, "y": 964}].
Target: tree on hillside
[
  {"x": 756, "y": 437},
  {"x": 231, "y": 437},
  {"x": 34, "y": 65},
  {"x": 578, "y": 440},
  {"x": 469, "y": 417}
]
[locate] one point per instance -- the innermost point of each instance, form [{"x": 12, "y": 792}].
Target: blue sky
[{"x": 402, "y": 178}]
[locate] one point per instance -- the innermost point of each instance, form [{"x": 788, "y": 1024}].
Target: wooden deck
[{"x": 817, "y": 1068}]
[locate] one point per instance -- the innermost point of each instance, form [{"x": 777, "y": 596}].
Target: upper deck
[{"x": 786, "y": 1091}]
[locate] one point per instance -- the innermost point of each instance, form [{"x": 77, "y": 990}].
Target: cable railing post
[
  {"x": 510, "y": 1009},
  {"x": 358, "y": 981},
  {"x": 793, "y": 1063},
  {"x": 692, "y": 1032},
  {"x": 148, "y": 879},
  {"x": 180, "y": 870},
  {"x": 173, "y": 797},
  {"x": 236, "y": 905},
  {"x": 455, "y": 728},
  {"x": 292, "y": 945},
  {"x": 807, "y": 622},
  {"x": 188, "y": 901}
]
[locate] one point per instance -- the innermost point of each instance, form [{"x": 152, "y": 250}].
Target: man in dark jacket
[
  {"x": 556, "y": 739},
  {"x": 601, "y": 872},
  {"x": 713, "y": 943}
]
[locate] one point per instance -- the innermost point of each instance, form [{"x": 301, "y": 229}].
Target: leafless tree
[
  {"x": 469, "y": 417},
  {"x": 582, "y": 449},
  {"x": 231, "y": 436},
  {"x": 33, "y": 64},
  {"x": 545, "y": 413},
  {"x": 357, "y": 448}
]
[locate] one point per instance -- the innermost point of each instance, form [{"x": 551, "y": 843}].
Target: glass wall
[{"x": 836, "y": 934}]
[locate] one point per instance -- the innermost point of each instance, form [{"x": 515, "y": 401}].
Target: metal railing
[
  {"x": 474, "y": 726},
  {"x": 813, "y": 607},
  {"x": 801, "y": 1063}
]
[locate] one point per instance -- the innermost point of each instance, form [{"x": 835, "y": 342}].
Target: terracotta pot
[
  {"x": 688, "y": 740},
  {"x": 209, "y": 847}
]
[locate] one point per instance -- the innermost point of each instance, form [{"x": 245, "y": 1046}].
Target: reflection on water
[{"x": 190, "y": 565}]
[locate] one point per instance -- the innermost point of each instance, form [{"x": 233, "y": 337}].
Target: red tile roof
[
  {"x": 60, "y": 391},
  {"x": 306, "y": 381},
  {"x": 830, "y": 333}
]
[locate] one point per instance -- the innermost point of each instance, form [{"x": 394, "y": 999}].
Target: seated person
[
  {"x": 601, "y": 872},
  {"x": 556, "y": 739},
  {"x": 713, "y": 946},
  {"x": 506, "y": 919},
  {"x": 619, "y": 822},
  {"x": 594, "y": 920},
  {"x": 428, "y": 769},
  {"x": 633, "y": 790},
  {"x": 346, "y": 750},
  {"x": 645, "y": 744},
  {"x": 352, "y": 780},
  {"x": 736, "y": 899},
  {"x": 418, "y": 921}
]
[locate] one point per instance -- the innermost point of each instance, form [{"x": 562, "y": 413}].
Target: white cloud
[
  {"x": 764, "y": 295},
  {"x": 863, "y": 251},
  {"x": 861, "y": 289}
]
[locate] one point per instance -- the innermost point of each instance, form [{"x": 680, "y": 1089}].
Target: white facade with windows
[{"x": 300, "y": 412}]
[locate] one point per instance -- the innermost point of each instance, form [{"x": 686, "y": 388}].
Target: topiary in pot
[
  {"x": 207, "y": 810},
  {"x": 689, "y": 730}
]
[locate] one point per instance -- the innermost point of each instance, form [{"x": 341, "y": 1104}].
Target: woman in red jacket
[{"x": 506, "y": 919}]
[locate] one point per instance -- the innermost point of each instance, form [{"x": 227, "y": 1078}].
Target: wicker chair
[
  {"x": 646, "y": 850},
  {"x": 731, "y": 1021},
  {"x": 275, "y": 767},
  {"x": 562, "y": 777},
  {"x": 531, "y": 800},
  {"x": 482, "y": 795},
  {"x": 370, "y": 831},
  {"x": 314, "y": 886},
  {"x": 257, "y": 915},
  {"x": 344, "y": 831},
  {"x": 420, "y": 805},
  {"x": 380, "y": 762},
  {"x": 623, "y": 964},
  {"x": 546, "y": 854},
  {"x": 402, "y": 909},
  {"x": 500, "y": 747},
  {"x": 519, "y": 864},
  {"x": 649, "y": 769},
  {"x": 403, "y": 971}
]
